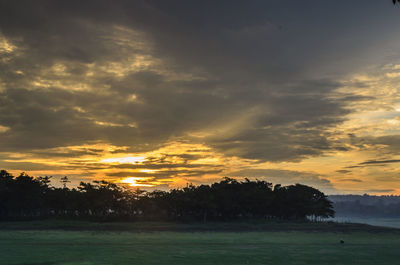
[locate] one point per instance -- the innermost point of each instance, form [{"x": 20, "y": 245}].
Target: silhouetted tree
[{"x": 28, "y": 197}]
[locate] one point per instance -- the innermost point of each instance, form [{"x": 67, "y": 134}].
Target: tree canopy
[{"x": 26, "y": 197}]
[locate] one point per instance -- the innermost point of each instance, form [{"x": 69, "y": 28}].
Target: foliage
[{"x": 25, "y": 197}]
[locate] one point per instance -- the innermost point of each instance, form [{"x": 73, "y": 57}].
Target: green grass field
[{"x": 24, "y": 245}]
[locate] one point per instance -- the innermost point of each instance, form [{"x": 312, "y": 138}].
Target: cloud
[
  {"x": 381, "y": 191},
  {"x": 343, "y": 171},
  {"x": 245, "y": 80},
  {"x": 92, "y": 61},
  {"x": 373, "y": 162},
  {"x": 351, "y": 180},
  {"x": 378, "y": 163}
]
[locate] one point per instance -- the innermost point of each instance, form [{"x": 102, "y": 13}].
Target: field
[
  {"x": 92, "y": 243},
  {"x": 380, "y": 221}
]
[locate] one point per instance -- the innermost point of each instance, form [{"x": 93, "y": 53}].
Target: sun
[{"x": 132, "y": 181}]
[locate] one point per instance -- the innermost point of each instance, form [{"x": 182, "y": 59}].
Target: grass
[{"x": 20, "y": 245}]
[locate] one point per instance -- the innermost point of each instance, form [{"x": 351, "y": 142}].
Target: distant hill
[{"x": 366, "y": 205}]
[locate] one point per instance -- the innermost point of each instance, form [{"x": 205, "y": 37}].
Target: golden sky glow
[
  {"x": 133, "y": 182},
  {"x": 125, "y": 160},
  {"x": 156, "y": 97}
]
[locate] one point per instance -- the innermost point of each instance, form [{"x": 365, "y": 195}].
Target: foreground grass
[{"x": 99, "y": 246}]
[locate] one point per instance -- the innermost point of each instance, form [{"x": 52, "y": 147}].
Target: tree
[{"x": 29, "y": 197}]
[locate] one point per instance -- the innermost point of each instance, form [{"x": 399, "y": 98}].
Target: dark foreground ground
[{"x": 84, "y": 243}]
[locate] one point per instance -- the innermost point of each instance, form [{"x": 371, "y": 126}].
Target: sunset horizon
[{"x": 156, "y": 95}]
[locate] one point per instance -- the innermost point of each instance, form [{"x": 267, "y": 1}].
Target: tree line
[{"x": 27, "y": 197}]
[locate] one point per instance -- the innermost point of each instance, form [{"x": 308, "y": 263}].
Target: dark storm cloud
[
  {"x": 378, "y": 163},
  {"x": 373, "y": 162},
  {"x": 46, "y": 119},
  {"x": 390, "y": 142},
  {"x": 254, "y": 76}
]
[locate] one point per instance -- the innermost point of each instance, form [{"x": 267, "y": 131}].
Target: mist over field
[{"x": 367, "y": 209}]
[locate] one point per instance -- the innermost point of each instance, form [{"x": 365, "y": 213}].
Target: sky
[{"x": 158, "y": 94}]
